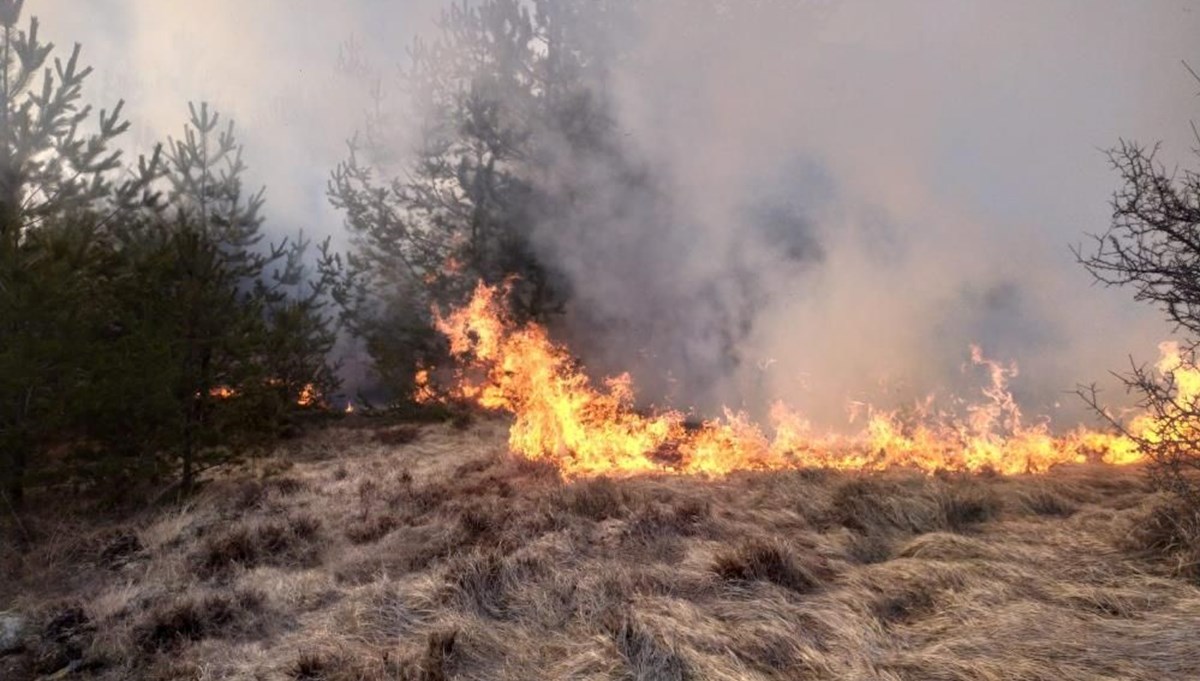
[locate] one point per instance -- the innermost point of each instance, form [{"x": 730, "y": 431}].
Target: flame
[
  {"x": 587, "y": 429},
  {"x": 424, "y": 393},
  {"x": 222, "y": 392},
  {"x": 309, "y": 396}
]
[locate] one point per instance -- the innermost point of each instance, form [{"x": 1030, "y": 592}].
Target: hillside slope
[{"x": 400, "y": 552}]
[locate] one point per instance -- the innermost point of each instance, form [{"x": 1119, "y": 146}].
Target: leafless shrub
[
  {"x": 1172, "y": 447},
  {"x": 1151, "y": 247}
]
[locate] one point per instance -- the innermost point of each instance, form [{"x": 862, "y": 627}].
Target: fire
[
  {"x": 423, "y": 393},
  {"x": 309, "y": 396},
  {"x": 222, "y": 392},
  {"x": 588, "y": 429}
]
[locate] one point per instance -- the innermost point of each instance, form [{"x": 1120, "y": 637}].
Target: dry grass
[{"x": 427, "y": 553}]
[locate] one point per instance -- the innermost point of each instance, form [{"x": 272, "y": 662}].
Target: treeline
[{"x": 147, "y": 330}]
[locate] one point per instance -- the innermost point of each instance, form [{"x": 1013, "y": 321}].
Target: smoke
[
  {"x": 818, "y": 201},
  {"x": 272, "y": 66},
  {"x": 860, "y": 191}
]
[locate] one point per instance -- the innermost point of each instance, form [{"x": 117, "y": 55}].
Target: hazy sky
[{"x": 943, "y": 154}]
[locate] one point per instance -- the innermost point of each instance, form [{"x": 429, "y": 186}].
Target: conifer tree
[
  {"x": 507, "y": 96},
  {"x": 58, "y": 186},
  {"x": 249, "y": 332}
]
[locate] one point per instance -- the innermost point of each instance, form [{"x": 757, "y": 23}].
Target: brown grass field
[{"x": 366, "y": 551}]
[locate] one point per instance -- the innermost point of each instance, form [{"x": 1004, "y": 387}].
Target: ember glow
[
  {"x": 309, "y": 396},
  {"x": 588, "y": 429}
]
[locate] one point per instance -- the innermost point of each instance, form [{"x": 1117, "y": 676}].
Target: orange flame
[
  {"x": 222, "y": 392},
  {"x": 586, "y": 429},
  {"x": 309, "y": 396}
]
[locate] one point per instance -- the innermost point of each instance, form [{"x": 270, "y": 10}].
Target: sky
[{"x": 902, "y": 179}]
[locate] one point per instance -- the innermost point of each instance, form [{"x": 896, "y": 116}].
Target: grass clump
[
  {"x": 767, "y": 561},
  {"x": 291, "y": 541},
  {"x": 193, "y": 617}
]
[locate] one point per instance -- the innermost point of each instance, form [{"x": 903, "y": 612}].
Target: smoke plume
[{"x": 840, "y": 197}]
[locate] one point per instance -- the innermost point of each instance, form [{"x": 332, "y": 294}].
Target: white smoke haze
[{"x": 845, "y": 195}]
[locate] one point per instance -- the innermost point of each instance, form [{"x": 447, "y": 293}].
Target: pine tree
[
  {"x": 58, "y": 187},
  {"x": 507, "y": 96},
  {"x": 247, "y": 326}
]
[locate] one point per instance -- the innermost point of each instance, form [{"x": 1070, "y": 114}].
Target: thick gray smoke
[
  {"x": 845, "y": 195},
  {"x": 858, "y": 192}
]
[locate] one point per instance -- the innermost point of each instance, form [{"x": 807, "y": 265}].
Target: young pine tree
[
  {"x": 245, "y": 326},
  {"x": 58, "y": 188},
  {"x": 507, "y": 96}
]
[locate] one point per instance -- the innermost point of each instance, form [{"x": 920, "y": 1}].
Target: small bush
[{"x": 765, "y": 561}]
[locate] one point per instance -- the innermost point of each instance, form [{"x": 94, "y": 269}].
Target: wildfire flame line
[{"x": 587, "y": 429}]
